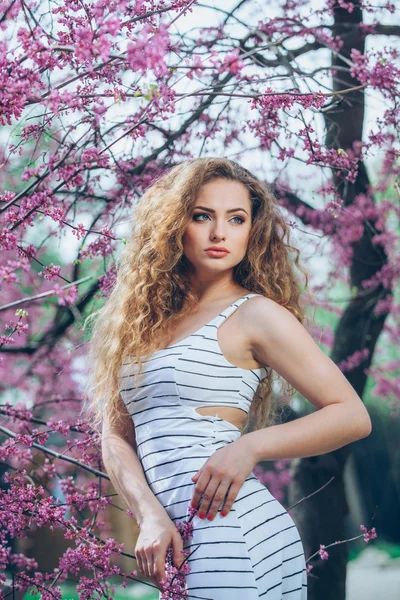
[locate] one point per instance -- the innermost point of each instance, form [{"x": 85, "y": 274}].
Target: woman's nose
[{"x": 218, "y": 230}]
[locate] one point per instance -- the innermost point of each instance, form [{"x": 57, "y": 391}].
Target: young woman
[{"x": 205, "y": 307}]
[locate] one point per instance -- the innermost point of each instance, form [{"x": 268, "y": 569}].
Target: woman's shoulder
[
  {"x": 265, "y": 319},
  {"x": 260, "y": 309},
  {"x": 257, "y": 299}
]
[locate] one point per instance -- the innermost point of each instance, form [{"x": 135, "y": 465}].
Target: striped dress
[{"x": 253, "y": 552}]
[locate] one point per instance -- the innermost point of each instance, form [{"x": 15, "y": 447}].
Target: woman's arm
[
  {"x": 280, "y": 341},
  {"x": 157, "y": 530},
  {"x": 124, "y": 468}
]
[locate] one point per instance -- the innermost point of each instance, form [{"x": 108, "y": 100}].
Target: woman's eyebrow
[{"x": 211, "y": 210}]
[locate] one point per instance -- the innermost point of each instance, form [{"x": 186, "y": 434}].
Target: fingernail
[
  {"x": 210, "y": 517},
  {"x": 223, "y": 513},
  {"x": 201, "y": 515},
  {"x": 193, "y": 505}
]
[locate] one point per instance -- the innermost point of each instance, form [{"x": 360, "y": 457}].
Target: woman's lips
[{"x": 217, "y": 253}]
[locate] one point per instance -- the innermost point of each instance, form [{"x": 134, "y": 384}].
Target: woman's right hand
[{"x": 157, "y": 531}]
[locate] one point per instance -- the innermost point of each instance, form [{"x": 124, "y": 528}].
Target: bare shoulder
[
  {"x": 262, "y": 310},
  {"x": 270, "y": 326},
  {"x": 263, "y": 318}
]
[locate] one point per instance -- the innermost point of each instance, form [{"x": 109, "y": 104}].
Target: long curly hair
[{"x": 151, "y": 291}]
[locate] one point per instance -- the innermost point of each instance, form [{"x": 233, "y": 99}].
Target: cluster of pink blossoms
[
  {"x": 66, "y": 295},
  {"x": 354, "y": 360},
  {"x": 174, "y": 587},
  {"x": 50, "y": 272}
]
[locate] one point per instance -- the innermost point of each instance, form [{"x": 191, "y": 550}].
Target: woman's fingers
[
  {"x": 139, "y": 563},
  {"x": 159, "y": 565},
  {"x": 151, "y": 558},
  {"x": 208, "y": 493},
  {"x": 148, "y": 563},
  {"x": 138, "y": 556},
  {"x": 219, "y": 496},
  {"x": 200, "y": 486},
  {"x": 216, "y": 492},
  {"x": 177, "y": 549},
  {"x": 231, "y": 497}
]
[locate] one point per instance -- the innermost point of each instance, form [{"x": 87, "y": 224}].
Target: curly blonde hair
[{"x": 152, "y": 283}]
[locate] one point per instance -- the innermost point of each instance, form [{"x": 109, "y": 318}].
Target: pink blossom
[
  {"x": 102, "y": 246},
  {"x": 385, "y": 277},
  {"x": 66, "y": 295},
  {"x": 383, "y": 74},
  {"x": 353, "y": 361},
  {"x": 369, "y": 534},
  {"x": 50, "y": 272},
  {"x": 107, "y": 281},
  {"x": 323, "y": 553},
  {"x": 79, "y": 231},
  {"x": 59, "y": 426},
  {"x": 8, "y": 240},
  {"x": 148, "y": 51},
  {"x": 276, "y": 479}
]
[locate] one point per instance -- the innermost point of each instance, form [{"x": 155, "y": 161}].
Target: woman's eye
[
  {"x": 206, "y": 215},
  {"x": 199, "y": 215}
]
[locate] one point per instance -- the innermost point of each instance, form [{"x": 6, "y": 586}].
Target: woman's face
[{"x": 221, "y": 217}]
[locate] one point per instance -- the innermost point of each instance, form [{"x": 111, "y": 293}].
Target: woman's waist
[
  {"x": 179, "y": 420},
  {"x": 164, "y": 465},
  {"x": 176, "y": 446}
]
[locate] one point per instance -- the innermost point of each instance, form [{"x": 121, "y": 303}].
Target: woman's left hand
[{"x": 225, "y": 471}]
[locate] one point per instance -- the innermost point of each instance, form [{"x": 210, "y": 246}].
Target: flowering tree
[{"x": 96, "y": 99}]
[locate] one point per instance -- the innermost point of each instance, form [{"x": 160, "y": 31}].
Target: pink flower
[
  {"x": 174, "y": 586},
  {"x": 66, "y": 295},
  {"x": 50, "y": 272},
  {"x": 369, "y": 534},
  {"x": 149, "y": 50},
  {"x": 323, "y": 553}
]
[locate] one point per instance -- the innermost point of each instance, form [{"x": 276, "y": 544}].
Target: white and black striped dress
[{"x": 253, "y": 552}]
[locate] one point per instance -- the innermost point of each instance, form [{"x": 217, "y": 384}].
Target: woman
[{"x": 204, "y": 309}]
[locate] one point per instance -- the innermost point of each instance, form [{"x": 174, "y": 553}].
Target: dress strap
[{"x": 230, "y": 309}]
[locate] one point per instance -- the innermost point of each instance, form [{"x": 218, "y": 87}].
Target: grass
[{"x": 392, "y": 550}]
